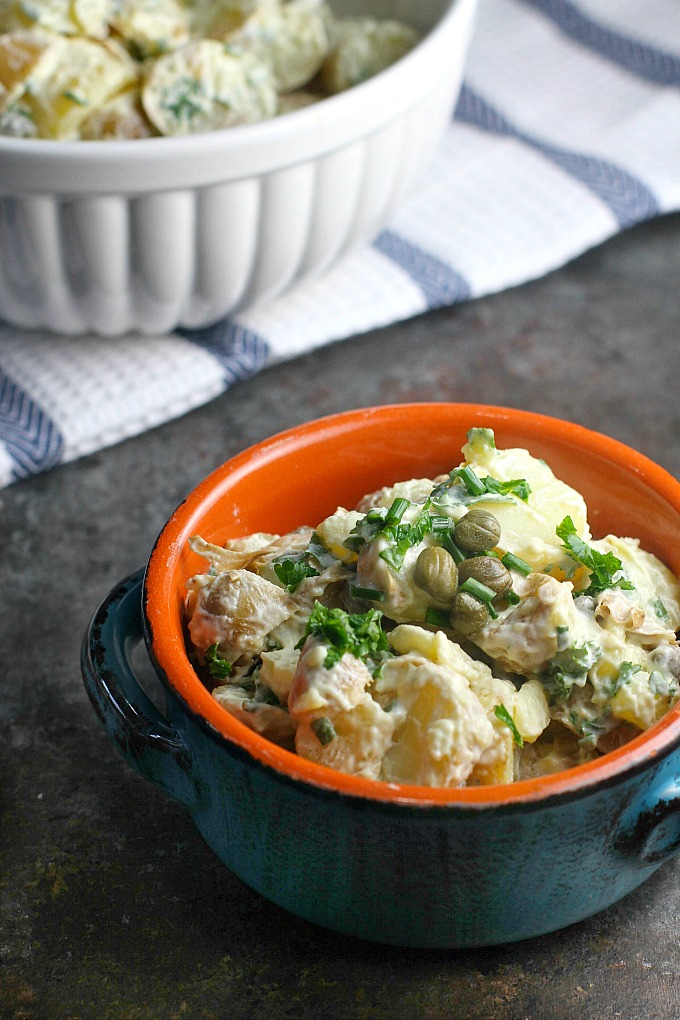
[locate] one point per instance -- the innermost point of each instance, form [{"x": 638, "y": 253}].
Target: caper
[
  {"x": 436, "y": 573},
  {"x": 477, "y": 531},
  {"x": 468, "y": 614},
  {"x": 487, "y": 570}
]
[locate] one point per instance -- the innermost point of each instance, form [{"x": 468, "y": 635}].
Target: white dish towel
[{"x": 567, "y": 131}]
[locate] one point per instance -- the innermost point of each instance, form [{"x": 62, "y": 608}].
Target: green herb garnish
[
  {"x": 291, "y": 573},
  {"x": 370, "y": 594},
  {"x": 588, "y": 730},
  {"x": 660, "y": 609},
  {"x": 360, "y": 634},
  {"x": 482, "y": 437},
  {"x": 501, "y": 712},
  {"x": 480, "y": 591},
  {"x": 318, "y": 551},
  {"x": 606, "y": 569},
  {"x": 451, "y": 547},
  {"x": 626, "y": 671},
  {"x": 218, "y": 667},
  {"x": 489, "y": 485},
  {"x": 570, "y": 666},
  {"x": 437, "y": 617},
  {"x": 323, "y": 730},
  {"x": 513, "y": 562}
]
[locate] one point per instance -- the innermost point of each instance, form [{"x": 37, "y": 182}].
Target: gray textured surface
[{"x": 111, "y": 907}]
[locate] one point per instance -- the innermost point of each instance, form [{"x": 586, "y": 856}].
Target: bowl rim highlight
[
  {"x": 147, "y": 165},
  {"x": 166, "y": 643}
]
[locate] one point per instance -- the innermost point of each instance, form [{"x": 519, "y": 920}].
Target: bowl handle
[
  {"x": 656, "y": 836},
  {"x": 141, "y": 732}
]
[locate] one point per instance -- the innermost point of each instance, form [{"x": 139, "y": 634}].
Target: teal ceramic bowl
[{"x": 407, "y": 865}]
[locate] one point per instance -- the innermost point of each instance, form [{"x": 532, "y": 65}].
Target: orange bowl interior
[{"x": 301, "y": 476}]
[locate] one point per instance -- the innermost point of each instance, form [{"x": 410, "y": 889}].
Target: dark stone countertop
[{"x": 111, "y": 906}]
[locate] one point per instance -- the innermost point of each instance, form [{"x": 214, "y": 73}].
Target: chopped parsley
[
  {"x": 501, "y": 712},
  {"x": 626, "y": 671},
  {"x": 606, "y": 569},
  {"x": 570, "y": 666},
  {"x": 360, "y": 634},
  {"x": 218, "y": 667},
  {"x": 318, "y": 551},
  {"x": 292, "y": 572},
  {"x": 388, "y": 523},
  {"x": 184, "y": 99},
  {"x": 662, "y": 685},
  {"x": 660, "y": 609},
  {"x": 588, "y": 730}
]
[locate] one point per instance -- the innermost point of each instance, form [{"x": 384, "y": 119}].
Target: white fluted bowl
[{"x": 152, "y": 234}]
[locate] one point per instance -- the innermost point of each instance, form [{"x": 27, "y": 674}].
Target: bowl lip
[
  {"x": 243, "y": 151},
  {"x": 197, "y": 702}
]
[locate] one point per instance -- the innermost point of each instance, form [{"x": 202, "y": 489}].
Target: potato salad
[
  {"x": 125, "y": 69},
  {"x": 455, "y": 631}
]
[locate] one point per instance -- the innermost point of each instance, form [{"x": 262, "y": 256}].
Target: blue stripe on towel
[
  {"x": 439, "y": 282},
  {"x": 29, "y": 435},
  {"x": 629, "y": 199},
  {"x": 637, "y": 57},
  {"x": 239, "y": 351}
]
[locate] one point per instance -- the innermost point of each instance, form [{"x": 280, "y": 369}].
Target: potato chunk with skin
[
  {"x": 292, "y": 40},
  {"x": 268, "y": 720},
  {"x": 636, "y": 702},
  {"x": 403, "y": 599},
  {"x": 334, "y": 530},
  {"x": 361, "y": 48},
  {"x": 444, "y": 729},
  {"x": 72, "y": 77},
  {"x": 151, "y": 27},
  {"x": 204, "y": 87},
  {"x": 278, "y": 669},
  {"x": 121, "y": 118},
  {"x": 361, "y": 729},
  {"x": 531, "y": 713},
  {"x": 362, "y": 735},
  {"x": 318, "y": 691},
  {"x": 524, "y": 639},
  {"x": 496, "y": 765},
  {"x": 65, "y": 17},
  {"x": 237, "y": 610}
]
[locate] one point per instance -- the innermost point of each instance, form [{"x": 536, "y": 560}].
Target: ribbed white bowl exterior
[{"x": 131, "y": 236}]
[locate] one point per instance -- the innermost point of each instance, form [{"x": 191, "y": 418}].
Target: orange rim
[{"x": 170, "y": 565}]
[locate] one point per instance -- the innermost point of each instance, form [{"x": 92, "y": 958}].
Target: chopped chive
[
  {"x": 480, "y": 591},
  {"x": 440, "y": 524},
  {"x": 501, "y": 712},
  {"x": 512, "y": 598},
  {"x": 397, "y": 510},
  {"x": 513, "y": 562},
  {"x": 371, "y": 594},
  {"x": 451, "y": 547},
  {"x": 492, "y": 610},
  {"x": 323, "y": 730},
  {"x": 437, "y": 617},
  {"x": 473, "y": 483}
]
